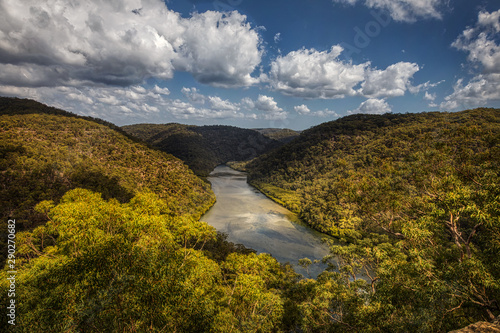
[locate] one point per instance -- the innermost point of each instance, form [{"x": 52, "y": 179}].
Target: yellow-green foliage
[
  {"x": 45, "y": 155},
  {"x": 105, "y": 266},
  {"x": 415, "y": 201},
  {"x": 286, "y": 198},
  {"x": 44, "y": 152}
]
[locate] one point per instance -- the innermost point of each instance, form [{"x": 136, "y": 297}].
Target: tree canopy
[
  {"x": 204, "y": 147},
  {"x": 109, "y": 237},
  {"x": 415, "y": 201}
]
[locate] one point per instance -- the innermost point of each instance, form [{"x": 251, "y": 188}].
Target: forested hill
[
  {"x": 102, "y": 234},
  {"x": 44, "y": 152},
  {"x": 414, "y": 197},
  {"x": 11, "y": 106},
  {"x": 284, "y": 135},
  {"x": 204, "y": 147},
  {"x": 361, "y": 164}
]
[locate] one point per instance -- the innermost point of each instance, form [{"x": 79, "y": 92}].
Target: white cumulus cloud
[
  {"x": 266, "y": 105},
  {"x": 404, "y": 10},
  {"x": 193, "y": 95},
  {"x": 309, "y": 73},
  {"x": 391, "y": 82},
  {"x": 302, "y": 109},
  {"x": 480, "y": 42},
  {"x": 220, "y": 49},
  {"x": 372, "y": 106},
  {"x": 64, "y": 42},
  {"x": 217, "y": 103},
  {"x": 315, "y": 74}
]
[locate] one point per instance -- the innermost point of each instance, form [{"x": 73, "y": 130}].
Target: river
[{"x": 252, "y": 219}]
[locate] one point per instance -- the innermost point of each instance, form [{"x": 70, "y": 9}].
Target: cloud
[
  {"x": 315, "y": 74},
  {"x": 484, "y": 52},
  {"x": 161, "y": 91},
  {"x": 248, "y": 103},
  {"x": 220, "y": 49},
  {"x": 391, "y": 82},
  {"x": 270, "y": 108},
  {"x": 267, "y": 106},
  {"x": 480, "y": 43},
  {"x": 372, "y": 106},
  {"x": 424, "y": 87},
  {"x": 63, "y": 42},
  {"x": 193, "y": 95},
  {"x": 277, "y": 37},
  {"x": 216, "y": 103},
  {"x": 309, "y": 73},
  {"x": 430, "y": 97},
  {"x": 304, "y": 110},
  {"x": 404, "y": 10},
  {"x": 477, "y": 92}
]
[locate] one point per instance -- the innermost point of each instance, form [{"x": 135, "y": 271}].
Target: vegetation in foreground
[{"x": 421, "y": 222}]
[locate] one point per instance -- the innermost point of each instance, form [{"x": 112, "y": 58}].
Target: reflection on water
[{"x": 251, "y": 219}]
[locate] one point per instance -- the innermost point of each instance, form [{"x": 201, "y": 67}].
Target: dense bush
[
  {"x": 204, "y": 147},
  {"x": 430, "y": 184}
]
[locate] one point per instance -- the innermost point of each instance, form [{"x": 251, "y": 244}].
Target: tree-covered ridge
[
  {"x": 204, "y": 147},
  {"x": 416, "y": 200},
  {"x": 333, "y": 161},
  {"x": 284, "y": 135},
  {"x": 42, "y": 156},
  {"x": 11, "y": 106}
]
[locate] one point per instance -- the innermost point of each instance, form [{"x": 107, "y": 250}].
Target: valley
[{"x": 142, "y": 228}]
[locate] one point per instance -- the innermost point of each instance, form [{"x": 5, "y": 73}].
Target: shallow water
[{"x": 252, "y": 219}]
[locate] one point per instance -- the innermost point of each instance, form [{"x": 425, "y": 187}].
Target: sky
[{"x": 250, "y": 63}]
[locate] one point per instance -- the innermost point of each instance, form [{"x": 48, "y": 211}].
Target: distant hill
[
  {"x": 204, "y": 147},
  {"x": 284, "y": 135}
]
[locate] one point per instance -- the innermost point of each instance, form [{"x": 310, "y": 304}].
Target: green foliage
[
  {"x": 429, "y": 183},
  {"x": 284, "y": 197},
  {"x": 284, "y": 135},
  {"x": 120, "y": 267},
  {"x": 44, "y": 152},
  {"x": 204, "y": 147}
]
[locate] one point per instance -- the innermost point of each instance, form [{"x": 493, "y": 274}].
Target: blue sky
[{"x": 250, "y": 63}]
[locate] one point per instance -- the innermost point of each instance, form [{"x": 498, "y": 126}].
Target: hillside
[
  {"x": 108, "y": 236},
  {"x": 204, "y": 147},
  {"x": 104, "y": 236},
  {"x": 283, "y": 135},
  {"x": 415, "y": 199},
  {"x": 44, "y": 152}
]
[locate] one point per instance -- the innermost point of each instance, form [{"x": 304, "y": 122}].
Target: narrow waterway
[{"x": 252, "y": 219}]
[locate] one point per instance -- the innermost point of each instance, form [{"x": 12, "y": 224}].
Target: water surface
[{"x": 252, "y": 219}]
